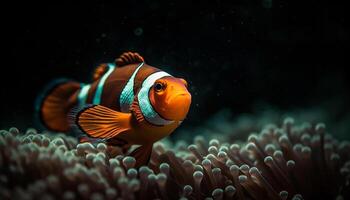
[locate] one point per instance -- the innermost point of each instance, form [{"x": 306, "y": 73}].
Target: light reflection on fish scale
[{"x": 273, "y": 164}]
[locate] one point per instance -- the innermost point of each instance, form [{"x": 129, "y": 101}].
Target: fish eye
[{"x": 159, "y": 86}]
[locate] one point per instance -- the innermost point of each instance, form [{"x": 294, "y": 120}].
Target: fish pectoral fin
[
  {"x": 101, "y": 122},
  {"x": 142, "y": 154}
]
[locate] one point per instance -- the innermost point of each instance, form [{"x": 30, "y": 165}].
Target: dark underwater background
[
  {"x": 242, "y": 58},
  {"x": 270, "y": 113}
]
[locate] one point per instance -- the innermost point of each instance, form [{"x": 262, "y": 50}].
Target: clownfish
[{"x": 128, "y": 103}]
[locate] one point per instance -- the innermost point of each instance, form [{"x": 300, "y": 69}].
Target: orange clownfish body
[{"x": 133, "y": 103}]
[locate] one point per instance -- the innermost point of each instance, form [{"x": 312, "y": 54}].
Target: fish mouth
[
  {"x": 179, "y": 97},
  {"x": 179, "y": 106}
]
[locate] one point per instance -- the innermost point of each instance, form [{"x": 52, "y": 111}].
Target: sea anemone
[{"x": 281, "y": 162}]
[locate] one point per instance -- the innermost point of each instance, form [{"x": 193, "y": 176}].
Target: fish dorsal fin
[
  {"x": 101, "y": 122},
  {"x": 100, "y": 71},
  {"x": 135, "y": 109},
  {"x": 128, "y": 58}
]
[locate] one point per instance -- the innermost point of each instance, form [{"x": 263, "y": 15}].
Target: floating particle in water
[
  {"x": 138, "y": 31},
  {"x": 267, "y": 3}
]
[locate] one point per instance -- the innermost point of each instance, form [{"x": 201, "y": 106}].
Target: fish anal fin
[
  {"x": 142, "y": 155},
  {"x": 101, "y": 122},
  {"x": 84, "y": 138},
  {"x": 128, "y": 58},
  {"x": 100, "y": 71},
  {"x": 123, "y": 144}
]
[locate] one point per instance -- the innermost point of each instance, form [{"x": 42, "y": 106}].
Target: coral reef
[{"x": 281, "y": 162}]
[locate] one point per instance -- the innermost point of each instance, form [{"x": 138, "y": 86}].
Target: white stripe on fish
[
  {"x": 145, "y": 105},
  {"x": 127, "y": 95},
  {"x": 99, "y": 90}
]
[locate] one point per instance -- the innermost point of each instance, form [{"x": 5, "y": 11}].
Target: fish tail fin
[{"x": 53, "y": 105}]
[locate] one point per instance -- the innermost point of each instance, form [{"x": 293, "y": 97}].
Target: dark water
[
  {"x": 241, "y": 56},
  {"x": 248, "y": 64}
]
